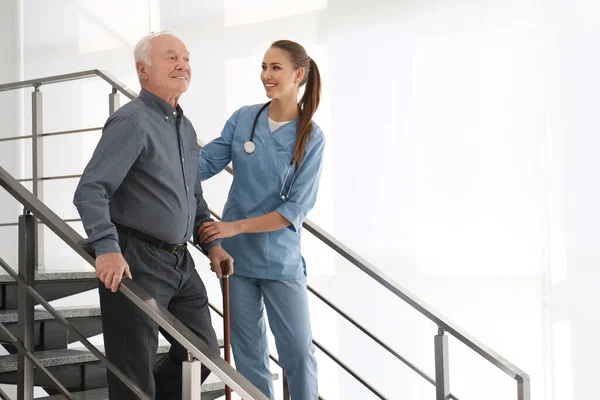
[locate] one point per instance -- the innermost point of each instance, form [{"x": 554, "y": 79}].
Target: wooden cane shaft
[{"x": 226, "y": 269}]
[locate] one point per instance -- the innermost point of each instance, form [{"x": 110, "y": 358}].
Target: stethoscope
[{"x": 250, "y": 147}]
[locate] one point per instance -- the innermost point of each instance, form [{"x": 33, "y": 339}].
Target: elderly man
[{"x": 140, "y": 201}]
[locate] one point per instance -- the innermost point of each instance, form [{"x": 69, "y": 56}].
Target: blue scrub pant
[{"x": 287, "y": 308}]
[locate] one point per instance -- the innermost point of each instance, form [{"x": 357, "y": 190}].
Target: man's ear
[{"x": 141, "y": 68}]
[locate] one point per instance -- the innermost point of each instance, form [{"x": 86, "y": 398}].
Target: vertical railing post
[
  {"x": 114, "y": 102},
  {"x": 27, "y": 231},
  {"x": 523, "y": 387},
  {"x": 192, "y": 387},
  {"x": 37, "y": 171},
  {"x": 442, "y": 376}
]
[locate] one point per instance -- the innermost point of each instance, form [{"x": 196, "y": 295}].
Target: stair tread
[
  {"x": 41, "y": 276},
  {"x": 53, "y": 358},
  {"x": 96, "y": 394},
  {"x": 10, "y": 316},
  {"x": 211, "y": 385},
  {"x": 102, "y": 394}
]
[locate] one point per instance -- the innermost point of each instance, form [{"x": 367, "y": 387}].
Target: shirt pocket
[{"x": 191, "y": 167}]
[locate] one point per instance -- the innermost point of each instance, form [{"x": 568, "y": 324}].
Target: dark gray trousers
[{"x": 131, "y": 337}]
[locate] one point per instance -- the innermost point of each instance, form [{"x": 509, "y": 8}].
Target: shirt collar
[{"x": 165, "y": 109}]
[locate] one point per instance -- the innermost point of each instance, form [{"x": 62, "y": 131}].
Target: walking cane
[{"x": 226, "y": 270}]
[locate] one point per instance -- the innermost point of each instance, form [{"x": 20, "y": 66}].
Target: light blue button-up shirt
[{"x": 257, "y": 182}]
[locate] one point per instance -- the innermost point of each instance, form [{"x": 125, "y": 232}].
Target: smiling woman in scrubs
[{"x": 277, "y": 154}]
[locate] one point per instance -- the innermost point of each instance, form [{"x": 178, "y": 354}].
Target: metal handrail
[
  {"x": 380, "y": 342},
  {"x": 180, "y": 332},
  {"x": 418, "y": 304},
  {"x": 51, "y": 178},
  {"x": 349, "y": 370},
  {"x": 58, "y": 133},
  {"x": 16, "y": 223},
  {"x": 91, "y": 73}
]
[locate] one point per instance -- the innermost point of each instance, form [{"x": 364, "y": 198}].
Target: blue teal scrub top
[{"x": 258, "y": 179}]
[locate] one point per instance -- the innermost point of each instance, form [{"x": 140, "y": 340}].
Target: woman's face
[{"x": 279, "y": 76}]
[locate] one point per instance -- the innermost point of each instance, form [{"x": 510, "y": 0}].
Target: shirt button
[
  {"x": 190, "y": 217},
  {"x": 187, "y": 188},
  {"x": 174, "y": 112},
  {"x": 182, "y": 159}
]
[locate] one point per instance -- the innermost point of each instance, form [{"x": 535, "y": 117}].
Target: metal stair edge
[
  {"x": 215, "y": 388},
  {"x": 58, "y": 357},
  {"x": 51, "y": 276},
  {"x": 12, "y": 316}
]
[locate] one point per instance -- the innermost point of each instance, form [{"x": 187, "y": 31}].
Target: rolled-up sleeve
[
  {"x": 215, "y": 156},
  {"x": 303, "y": 193},
  {"x": 120, "y": 145}
]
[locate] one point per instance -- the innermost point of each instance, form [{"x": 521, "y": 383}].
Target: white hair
[{"x": 141, "y": 52}]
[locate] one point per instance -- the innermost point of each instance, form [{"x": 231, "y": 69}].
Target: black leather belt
[{"x": 151, "y": 240}]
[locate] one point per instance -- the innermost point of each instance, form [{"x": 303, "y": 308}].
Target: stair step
[
  {"x": 55, "y": 358},
  {"x": 96, "y": 394},
  {"x": 12, "y": 316},
  {"x": 45, "y": 276},
  {"x": 211, "y": 389},
  {"x": 216, "y": 388},
  {"x": 52, "y": 285},
  {"x": 210, "y": 386},
  {"x": 58, "y": 357},
  {"x": 49, "y": 333}
]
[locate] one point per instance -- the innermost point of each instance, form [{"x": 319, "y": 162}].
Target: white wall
[
  {"x": 460, "y": 162},
  {"x": 11, "y": 106},
  {"x": 574, "y": 280},
  {"x": 10, "y": 152}
]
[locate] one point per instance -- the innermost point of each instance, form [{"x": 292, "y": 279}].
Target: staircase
[{"x": 76, "y": 368}]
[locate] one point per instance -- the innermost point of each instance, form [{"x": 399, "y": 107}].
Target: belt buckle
[{"x": 179, "y": 247}]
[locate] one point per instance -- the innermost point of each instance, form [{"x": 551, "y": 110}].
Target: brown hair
[{"x": 312, "y": 93}]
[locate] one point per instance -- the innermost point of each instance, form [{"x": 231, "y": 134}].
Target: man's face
[{"x": 170, "y": 73}]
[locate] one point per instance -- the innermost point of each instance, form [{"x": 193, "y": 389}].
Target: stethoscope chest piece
[{"x": 249, "y": 147}]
